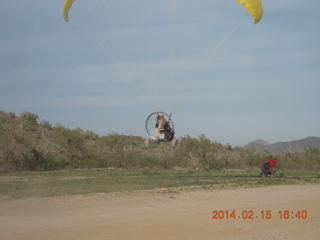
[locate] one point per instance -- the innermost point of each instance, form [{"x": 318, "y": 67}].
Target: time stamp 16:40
[{"x": 264, "y": 214}]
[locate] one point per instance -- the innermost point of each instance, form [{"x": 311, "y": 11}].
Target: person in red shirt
[{"x": 272, "y": 165}]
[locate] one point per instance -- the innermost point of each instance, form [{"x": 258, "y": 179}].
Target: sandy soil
[{"x": 164, "y": 215}]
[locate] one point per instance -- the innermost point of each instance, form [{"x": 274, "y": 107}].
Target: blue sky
[{"x": 115, "y": 62}]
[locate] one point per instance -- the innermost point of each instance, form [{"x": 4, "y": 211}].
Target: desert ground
[{"x": 166, "y": 214}]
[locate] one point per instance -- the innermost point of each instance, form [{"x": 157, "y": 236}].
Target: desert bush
[
  {"x": 26, "y": 144},
  {"x": 309, "y": 159}
]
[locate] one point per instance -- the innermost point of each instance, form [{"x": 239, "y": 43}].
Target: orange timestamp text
[{"x": 263, "y": 214}]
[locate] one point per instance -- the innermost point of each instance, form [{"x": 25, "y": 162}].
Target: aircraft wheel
[
  {"x": 147, "y": 142},
  {"x": 174, "y": 143}
]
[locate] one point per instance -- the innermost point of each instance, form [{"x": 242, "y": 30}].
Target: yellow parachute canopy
[
  {"x": 254, "y": 7},
  {"x": 66, "y": 7}
]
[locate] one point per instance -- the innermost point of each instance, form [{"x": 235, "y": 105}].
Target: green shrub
[{"x": 26, "y": 144}]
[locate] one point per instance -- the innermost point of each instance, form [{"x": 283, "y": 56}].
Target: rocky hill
[{"x": 285, "y": 147}]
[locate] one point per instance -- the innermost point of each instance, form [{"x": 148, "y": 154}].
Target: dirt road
[{"x": 167, "y": 215}]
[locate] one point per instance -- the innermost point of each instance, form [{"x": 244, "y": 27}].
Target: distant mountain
[{"x": 284, "y": 147}]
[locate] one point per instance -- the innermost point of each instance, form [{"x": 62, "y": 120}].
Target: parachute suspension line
[
  {"x": 184, "y": 25},
  {"x": 196, "y": 60},
  {"x": 136, "y": 73},
  {"x": 157, "y": 82},
  {"x": 132, "y": 69},
  {"x": 231, "y": 27},
  {"x": 193, "y": 61},
  {"x": 138, "y": 70},
  {"x": 176, "y": 63},
  {"x": 149, "y": 83},
  {"x": 149, "y": 66},
  {"x": 145, "y": 83},
  {"x": 212, "y": 55}
]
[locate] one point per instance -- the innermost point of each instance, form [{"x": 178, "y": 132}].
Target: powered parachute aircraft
[{"x": 151, "y": 42}]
